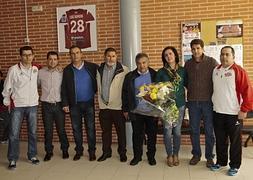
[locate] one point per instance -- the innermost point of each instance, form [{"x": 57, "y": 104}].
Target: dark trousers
[
  {"x": 144, "y": 124},
  {"x": 52, "y": 112},
  {"x": 5, "y": 122},
  {"x": 228, "y": 128},
  {"x": 79, "y": 112},
  {"x": 107, "y": 118}
]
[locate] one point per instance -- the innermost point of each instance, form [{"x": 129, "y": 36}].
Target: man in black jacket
[
  {"x": 78, "y": 88},
  {"x": 4, "y": 114},
  {"x": 133, "y": 80}
]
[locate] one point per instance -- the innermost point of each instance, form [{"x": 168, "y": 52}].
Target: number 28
[{"x": 77, "y": 26}]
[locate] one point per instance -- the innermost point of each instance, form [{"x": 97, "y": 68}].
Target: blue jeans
[
  {"x": 52, "y": 112},
  {"x": 17, "y": 115},
  {"x": 201, "y": 110},
  {"x": 77, "y": 113},
  {"x": 172, "y": 135}
]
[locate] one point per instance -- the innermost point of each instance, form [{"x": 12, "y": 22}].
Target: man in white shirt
[
  {"x": 20, "y": 91},
  {"x": 232, "y": 99},
  {"x": 50, "y": 79}
]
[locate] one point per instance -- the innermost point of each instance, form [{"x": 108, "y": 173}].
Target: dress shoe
[
  {"x": 123, "y": 158},
  {"x": 104, "y": 157},
  {"x": 151, "y": 161},
  {"x": 209, "y": 163},
  {"x": 194, "y": 160},
  {"x": 92, "y": 156},
  {"x": 77, "y": 156},
  {"x": 48, "y": 156},
  {"x": 65, "y": 155},
  {"x": 135, "y": 161}
]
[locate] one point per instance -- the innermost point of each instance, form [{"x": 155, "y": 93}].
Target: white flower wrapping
[{"x": 158, "y": 100}]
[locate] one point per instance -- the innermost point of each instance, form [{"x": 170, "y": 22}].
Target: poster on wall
[
  {"x": 215, "y": 34},
  {"x": 229, "y": 29},
  {"x": 214, "y": 51},
  {"x": 190, "y": 31},
  {"x": 76, "y": 25}
]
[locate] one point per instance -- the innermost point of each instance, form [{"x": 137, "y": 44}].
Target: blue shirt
[
  {"x": 141, "y": 80},
  {"x": 83, "y": 85}
]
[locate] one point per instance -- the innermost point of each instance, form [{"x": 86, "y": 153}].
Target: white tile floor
[{"x": 112, "y": 169}]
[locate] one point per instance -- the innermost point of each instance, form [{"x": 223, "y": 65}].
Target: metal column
[{"x": 130, "y": 25}]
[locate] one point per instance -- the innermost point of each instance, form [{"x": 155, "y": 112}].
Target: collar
[
  {"x": 143, "y": 73},
  {"x": 227, "y": 68},
  {"x": 80, "y": 67},
  {"x": 21, "y": 66},
  {"x": 201, "y": 59},
  {"x": 111, "y": 67}
]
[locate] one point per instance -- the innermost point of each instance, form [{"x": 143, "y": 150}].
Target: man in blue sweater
[
  {"x": 78, "y": 88},
  {"x": 143, "y": 74}
]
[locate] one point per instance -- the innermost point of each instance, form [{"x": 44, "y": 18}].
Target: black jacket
[
  {"x": 68, "y": 94},
  {"x": 128, "y": 91}
]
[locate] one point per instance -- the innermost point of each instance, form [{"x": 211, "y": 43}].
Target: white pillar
[{"x": 130, "y": 25}]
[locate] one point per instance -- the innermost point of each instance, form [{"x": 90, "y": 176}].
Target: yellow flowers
[
  {"x": 158, "y": 99},
  {"x": 155, "y": 91},
  {"x": 153, "y": 96}
]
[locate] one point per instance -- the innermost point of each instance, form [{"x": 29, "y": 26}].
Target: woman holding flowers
[{"x": 173, "y": 73}]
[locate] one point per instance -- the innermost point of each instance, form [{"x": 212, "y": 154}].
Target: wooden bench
[{"x": 248, "y": 128}]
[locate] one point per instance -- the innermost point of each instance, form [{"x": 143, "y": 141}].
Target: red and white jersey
[
  {"x": 224, "y": 97},
  {"x": 77, "y": 29}
]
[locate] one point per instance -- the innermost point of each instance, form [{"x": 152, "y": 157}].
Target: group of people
[{"x": 219, "y": 95}]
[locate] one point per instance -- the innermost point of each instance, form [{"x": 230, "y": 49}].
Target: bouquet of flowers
[{"x": 158, "y": 100}]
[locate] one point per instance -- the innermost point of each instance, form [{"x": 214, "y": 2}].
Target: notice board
[{"x": 215, "y": 34}]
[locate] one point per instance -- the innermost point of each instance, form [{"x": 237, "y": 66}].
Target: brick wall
[{"x": 160, "y": 27}]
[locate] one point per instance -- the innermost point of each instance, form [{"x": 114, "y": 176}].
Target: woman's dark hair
[{"x": 173, "y": 49}]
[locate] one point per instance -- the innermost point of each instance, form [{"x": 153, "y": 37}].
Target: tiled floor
[{"x": 112, "y": 169}]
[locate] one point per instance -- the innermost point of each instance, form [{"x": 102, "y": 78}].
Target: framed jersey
[{"x": 77, "y": 26}]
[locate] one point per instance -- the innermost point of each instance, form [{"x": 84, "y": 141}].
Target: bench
[{"x": 246, "y": 129}]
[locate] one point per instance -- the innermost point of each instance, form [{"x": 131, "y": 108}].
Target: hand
[
  {"x": 9, "y": 108},
  {"x": 242, "y": 115},
  {"x": 66, "y": 109},
  {"x": 125, "y": 115}
]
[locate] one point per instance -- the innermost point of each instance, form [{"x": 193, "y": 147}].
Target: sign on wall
[
  {"x": 190, "y": 31},
  {"x": 77, "y": 26},
  {"x": 215, "y": 34}
]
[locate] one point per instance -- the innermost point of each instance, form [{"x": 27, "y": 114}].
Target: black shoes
[
  {"x": 65, "y": 155},
  {"x": 92, "y": 156},
  {"x": 104, "y": 157},
  {"x": 151, "y": 161},
  {"x": 77, "y": 156},
  {"x": 194, "y": 160},
  {"x": 123, "y": 158},
  {"x": 12, "y": 165},
  {"x": 48, "y": 156},
  {"x": 135, "y": 161}
]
